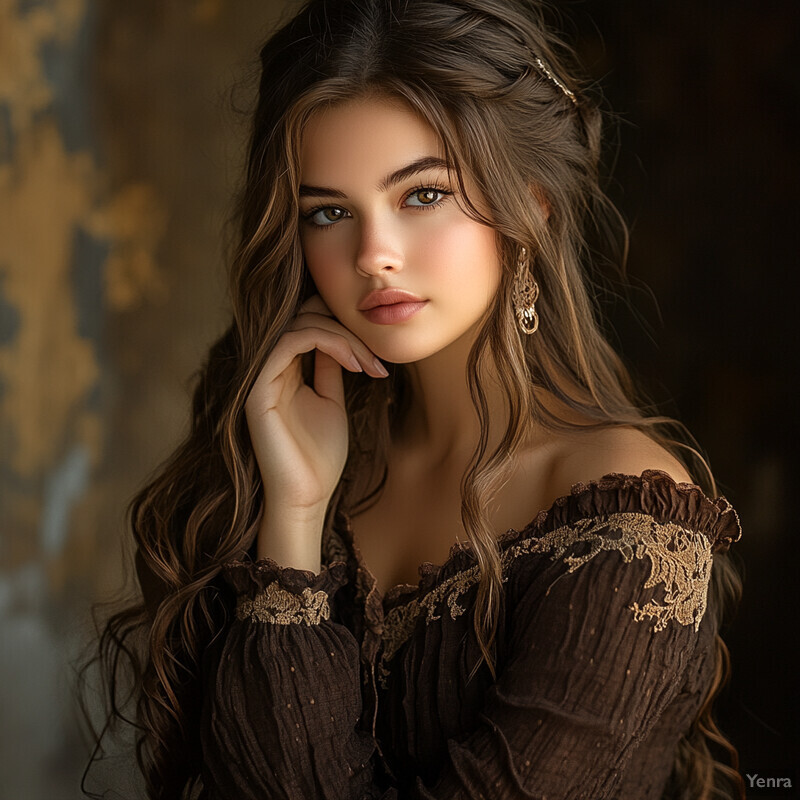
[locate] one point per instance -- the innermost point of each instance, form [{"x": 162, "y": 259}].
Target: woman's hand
[{"x": 299, "y": 432}]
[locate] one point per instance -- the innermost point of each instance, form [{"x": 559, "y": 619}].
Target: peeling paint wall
[
  {"x": 51, "y": 430},
  {"x": 117, "y": 160}
]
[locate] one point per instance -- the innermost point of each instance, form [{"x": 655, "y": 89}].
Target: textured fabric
[{"x": 321, "y": 688}]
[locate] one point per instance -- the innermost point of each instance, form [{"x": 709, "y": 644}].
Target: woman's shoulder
[
  {"x": 616, "y": 478},
  {"x": 623, "y": 476},
  {"x": 588, "y": 455},
  {"x": 586, "y": 451}
]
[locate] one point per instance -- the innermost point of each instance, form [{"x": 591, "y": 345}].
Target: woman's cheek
[
  {"x": 325, "y": 270},
  {"x": 464, "y": 250}
]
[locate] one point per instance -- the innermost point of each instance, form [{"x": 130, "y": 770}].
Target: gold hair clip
[{"x": 544, "y": 69}]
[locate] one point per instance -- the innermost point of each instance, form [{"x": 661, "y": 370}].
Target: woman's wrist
[{"x": 292, "y": 537}]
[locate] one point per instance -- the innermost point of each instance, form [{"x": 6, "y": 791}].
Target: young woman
[{"x": 422, "y": 541}]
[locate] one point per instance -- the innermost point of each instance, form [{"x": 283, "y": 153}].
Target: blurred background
[{"x": 119, "y": 155}]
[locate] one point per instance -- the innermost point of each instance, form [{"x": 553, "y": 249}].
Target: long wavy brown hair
[{"x": 467, "y": 66}]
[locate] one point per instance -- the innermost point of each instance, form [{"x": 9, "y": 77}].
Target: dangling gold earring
[{"x": 525, "y": 294}]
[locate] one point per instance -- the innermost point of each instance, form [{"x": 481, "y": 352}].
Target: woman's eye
[
  {"x": 326, "y": 216},
  {"x": 426, "y": 196}
]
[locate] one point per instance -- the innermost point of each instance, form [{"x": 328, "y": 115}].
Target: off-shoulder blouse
[{"x": 320, "y": 687}]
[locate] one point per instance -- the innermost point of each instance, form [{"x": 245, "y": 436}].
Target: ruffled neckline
[{"x": 654, "y": 493}]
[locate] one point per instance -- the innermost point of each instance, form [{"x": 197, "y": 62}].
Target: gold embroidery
[
  {"x": 680, "y": 560},
  {"x": 280, "y": 607},
  {"x": 400, "y": 621}
]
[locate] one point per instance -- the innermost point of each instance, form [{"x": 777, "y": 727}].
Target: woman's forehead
[{"x": 364, "y": 135}]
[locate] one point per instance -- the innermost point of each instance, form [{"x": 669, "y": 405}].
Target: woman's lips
[{"x": 394, "y": 312}]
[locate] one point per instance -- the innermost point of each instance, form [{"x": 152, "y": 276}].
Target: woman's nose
[{"x": 378, "y": 252}]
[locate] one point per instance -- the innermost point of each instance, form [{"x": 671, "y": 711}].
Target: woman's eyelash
[
  {"x": 311, "y": 212},
  {"x": 429, "y": 188},
  {"x": 416, "y": 190}
]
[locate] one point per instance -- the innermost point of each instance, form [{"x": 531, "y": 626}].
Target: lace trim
[
  {"x": 680, "y": 559},
  {"x": 281, "y": 607}
]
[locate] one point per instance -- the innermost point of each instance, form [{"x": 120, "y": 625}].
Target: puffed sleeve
[
  {"x": 599, "y": 643},
  {"x": 282, "y": 692},
  {"x": 598, "y": 651}
]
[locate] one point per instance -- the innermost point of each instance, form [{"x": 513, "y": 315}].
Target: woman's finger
[
  {"x": 368, "y": 360},
  {"x": 291, "y": 345},
  {"x": 328, "y": 381}
]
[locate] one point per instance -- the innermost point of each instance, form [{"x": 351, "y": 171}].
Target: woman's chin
[
  {"x": 406, "y": 352},
  {"x": 409, "y": 343}
]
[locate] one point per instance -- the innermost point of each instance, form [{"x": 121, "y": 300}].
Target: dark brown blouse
[{"x": 321, "y": 688}]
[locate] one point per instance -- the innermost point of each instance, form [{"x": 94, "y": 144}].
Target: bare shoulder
[{"x": 589, "y": 455}]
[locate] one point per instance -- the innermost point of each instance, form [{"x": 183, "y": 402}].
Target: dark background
[{"x": 707, "y": 176}]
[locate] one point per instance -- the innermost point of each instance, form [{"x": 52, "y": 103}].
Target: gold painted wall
[{"x": 118, "y": 158}]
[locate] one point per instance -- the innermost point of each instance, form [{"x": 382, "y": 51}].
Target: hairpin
[{"x": 544, "y": 69}]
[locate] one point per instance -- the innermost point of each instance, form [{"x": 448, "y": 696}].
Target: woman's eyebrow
[{"x": 399, "y": 175}]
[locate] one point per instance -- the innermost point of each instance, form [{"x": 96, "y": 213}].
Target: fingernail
[
  {"x": 381, "y": 369},
  {"x": 356, "y": 364}
]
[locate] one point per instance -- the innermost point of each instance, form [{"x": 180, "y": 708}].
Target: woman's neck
[
  {"x": 442, "y": 425},
  {"x": 441, "y": 428}
]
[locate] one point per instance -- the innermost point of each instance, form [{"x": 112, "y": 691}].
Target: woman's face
[{"x": 378, "y": 212}]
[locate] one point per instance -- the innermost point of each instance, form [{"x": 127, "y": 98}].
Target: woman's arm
[
  {"x": 590, "y": 672},
  {"x": 299, "y": 431},
  {"x": 586, "y": 680},
  {"x": 283, "y": 694}
]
